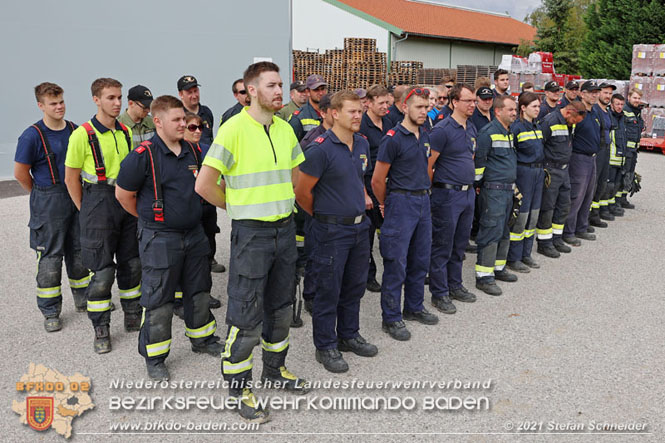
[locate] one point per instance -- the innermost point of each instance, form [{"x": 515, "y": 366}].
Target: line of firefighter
[{"x": 422, "y": 187}]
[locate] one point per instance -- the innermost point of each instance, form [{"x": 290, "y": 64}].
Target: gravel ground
[{"x": 577, "y": 342}]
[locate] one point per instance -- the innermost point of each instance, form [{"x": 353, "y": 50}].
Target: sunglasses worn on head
[
  {"x": 417, "y": 91},
  {"x": 192, "y": 127}
]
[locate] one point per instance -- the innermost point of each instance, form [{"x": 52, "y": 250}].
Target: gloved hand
[
  {"x": 517, "y": 204},
  {"x": 636, "y": 184},
  {"x": 548, "y": 178}
]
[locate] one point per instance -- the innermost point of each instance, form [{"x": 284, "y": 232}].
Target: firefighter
[
  {"x": 136, "y": 117},
  {"x": 308, "y": 116},
  {"x": 190, "y": 94},
  {"x": 528, "y": 141},
  {"x": 331, "y": 189},
  {"x": 496, "y": 166},
  {"x": 552, "y": 95},
  {"x": 555, "y": 205},
  {"x": 451, "y": 169},
  {"x": 374, "y": 125},
  {"x": 94, "y": 153},
  {"x": 257, "y": 153},
  {"x": 634, "y": 127},
  {"x": 156, "y": 185},
  {"x": 406, "y": 234},
  {"x": 617, "y": 154},
  {"x": 586, "y": 145},
  {"x": 39, "y": 166},
  {"x": 600, "y": 205}
]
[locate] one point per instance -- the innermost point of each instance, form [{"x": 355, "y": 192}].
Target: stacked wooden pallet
[
  {"x": 469, "y": 73},
  {"x": 404, "y": 72},
  {"x": 433, "y": 76}
]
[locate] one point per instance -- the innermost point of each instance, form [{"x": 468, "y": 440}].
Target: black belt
[
  {"x": 98, "y": 187},
  {"x": 265, "y": 224},
  {"x": 58, "y": 187},
  {"x": 531, "y": 165},
  {"x": 588, "y": 154},
  {"x": 500, "y": 186},
  {"x": 333, "y": 220},
  {"x": 455, "y": 187},
  {"x": 407, "y": 192},
  {"x": 555, "y": 165}
]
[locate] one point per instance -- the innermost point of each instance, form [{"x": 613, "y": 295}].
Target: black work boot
[
  {"x": 596, "y": 221},
  {"x": 332, "y": 360},
  {"x": 623, "y": 201},
  {"x": 396, "y": 330},
  {"x": 214, "y": 348},
  {"x": 444, "y": 304},
  {"x": 283, "y": 379},
  {"x": 548, "y": 251},
  {"x": 132, "y": 321},
  {"x": 616, "y": 210},
  {"x": 590, "y": 229},
  {"x": 157, "y": 371},
  {"x": 585, "y": 236},
  {"x": 504, "y": 275},
  {"x": 217, "y": 268},
  {"x": 573, "y": 241},
  {"x": 102, "y": 339},
  {"x": 560, "y": 246},
  {"x": 373, "y": 285},
  {"x": 488, "y": 286},
  {"x": 518, "y": 266},
  {"x": 249, "y": 408},
  {"x": 358, "y": 346},
  {"x": 605, "y": 214},
  {"x": 530, "y": 262},
  {"x": 214, "y": 303},
  {"x": 462, "y": 294},
  {"x": 52, "y": 324},
  {"x": 425, "y": 317}
]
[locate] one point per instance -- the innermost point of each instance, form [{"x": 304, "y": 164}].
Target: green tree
[
  {"x": 560, "y": 29},
  {"x": 614, "y": 26}
]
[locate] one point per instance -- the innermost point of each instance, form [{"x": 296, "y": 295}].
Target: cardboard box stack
[{"x": 648, "y": 75}]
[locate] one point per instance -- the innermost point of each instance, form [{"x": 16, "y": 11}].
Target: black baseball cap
[
  {"x": 299, "y": 86},
  {"x": 141, "y": 94},
  {"x": 604, "y": 85},
  {"x": 484, "y": 93},
  {"x": 572, "y": 86},
  {"x": 186, "y": 82},
  {"x": 552, "y": 86},
  {"x": 324, "y": 103},
  {"x": 590, "y": 86}
]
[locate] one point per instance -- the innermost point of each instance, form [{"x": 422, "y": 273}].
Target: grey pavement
[{"x": 578, "y": 341}]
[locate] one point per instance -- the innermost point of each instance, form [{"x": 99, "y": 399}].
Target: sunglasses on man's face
[
  {"x": 192, "y": 127},
  {"x": 242, "y": 91}
]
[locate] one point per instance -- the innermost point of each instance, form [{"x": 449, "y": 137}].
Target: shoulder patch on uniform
[
  {"x": 296, "y": 112},
  {"x": 440, "y": 116},
  {"x": 319, "y": 140},
  {"x": 362, "y": 135},
  {"x": 140, "y": 149},
  {"x": 388, "y": 112},
  {"x": 390, "y": 133}
]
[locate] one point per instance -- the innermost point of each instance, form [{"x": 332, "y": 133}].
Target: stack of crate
[
  {"x": 469, "y": 73},
  {"x": 358, "y": 65},
  {"x": 433, "y": 76},
  {"x": 404, "y": 72},
  {"x": 647, "y": 73}
]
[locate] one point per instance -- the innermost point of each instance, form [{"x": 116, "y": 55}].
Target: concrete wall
[{"x": 149, "y": 42}]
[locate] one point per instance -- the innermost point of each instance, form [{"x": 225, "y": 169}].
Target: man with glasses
[
  {"x": 136, "y": 115},
  {"x": 298, "y": 99},
  {"x": 451, "y": 169},
  {"x": 308, "y": 116},
  {"x": 188, "y": 90},
  {"x": 447, "y": 105},
  {"x": 240, "y": 94},
  {"x": 555, "y": 205}
]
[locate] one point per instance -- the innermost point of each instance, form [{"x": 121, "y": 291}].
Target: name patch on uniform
[
  {"x": 319, "y": 140},
  {"x": 194, "y": 169},
  {"x": 363, "y": 158},
  {"x": 296, "y": 112},
  {"x": 428, "y": 150},
  {"x": 473, "y": 143}
]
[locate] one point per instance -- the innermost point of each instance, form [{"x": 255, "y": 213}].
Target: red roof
[{"x": 442, "y": 21}]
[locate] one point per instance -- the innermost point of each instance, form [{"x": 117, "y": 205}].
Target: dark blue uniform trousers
[
  {"x": 582, "y": 187},
  {"x": 262, "y": 271},
  {"x": 452, "y": 216},
  {"x": 173, "y": 259},
  {"x": 554, "y": 207},
  {"x": 530, "y": 182},
  {"x": 493, "y": 238},
  {"x": 54, "y": 234},
  {"x": 340, "y": 261},
  {"x": 406, "y": 242},
  {"x": 108, "y": 231}
]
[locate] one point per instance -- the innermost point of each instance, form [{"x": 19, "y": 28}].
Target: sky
[{"x": 309, "y": 32}]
